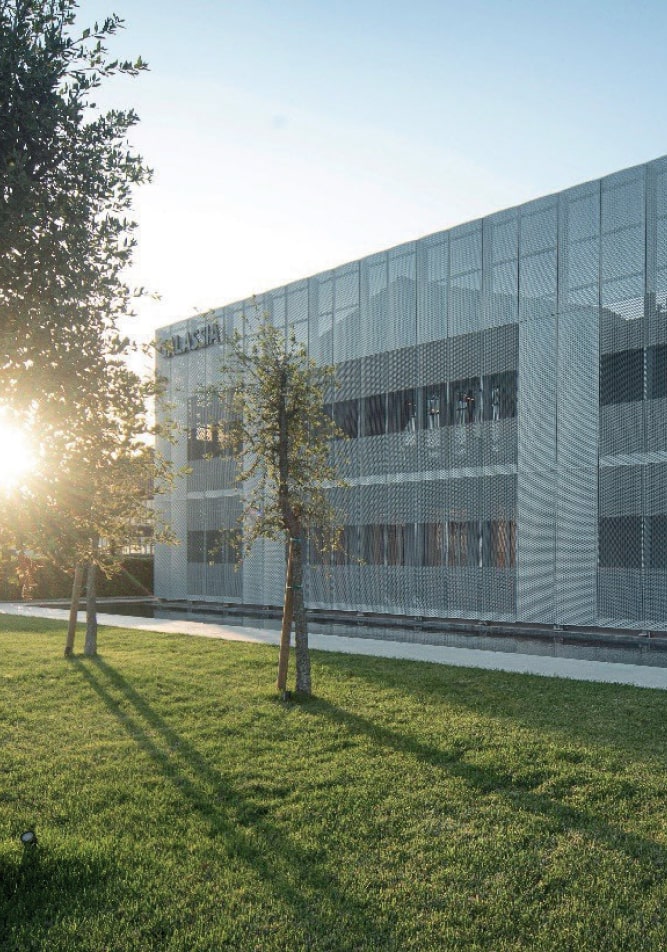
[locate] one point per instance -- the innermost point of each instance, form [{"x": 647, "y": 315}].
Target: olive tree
[
  {"x": 66, "y": 180},
  {"x": 276, "y": 394},
  {"x": 67, "y": 176}
]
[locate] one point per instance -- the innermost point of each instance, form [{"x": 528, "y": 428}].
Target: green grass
[{"x": 180, "y": 806}]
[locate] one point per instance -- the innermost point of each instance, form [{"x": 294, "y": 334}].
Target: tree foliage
[
  {"x": 275, "y": 394},
  {"x": 66, "y": 180},
  {"x": 67, "y": 176}
]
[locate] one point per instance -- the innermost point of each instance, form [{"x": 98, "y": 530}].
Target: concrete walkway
[{"x": 574, "y": 668}]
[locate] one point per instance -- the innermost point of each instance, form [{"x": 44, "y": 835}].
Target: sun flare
[{"x": 16, "y": 456}]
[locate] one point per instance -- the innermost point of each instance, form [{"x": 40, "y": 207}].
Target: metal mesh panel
[
  {"x": 320, "y": 320},
  {"x": 623, "y": 235},
  {"x": 621, "y": 328},
  {"x": 253, "y": 574},
  {"x": 402, "y": 324},
  {"x": 402, "y": 412},
  {"x": 372, "y": 442},
  {"x": 579, "y": 248},
  {"x": 425, "y": 337},
  {"x": 501, "y": 269},
  {"x": 621, "y": 424},
  {"x": 620, "y": 545},
  {"x": 373, "y": 516},
  {"x": 538, "y": 259},
  {"x": 576, "y": 525},
  {"x": 433, "y": 372},
  {"x": 538, "y": 285},
  {"x": 163, "y": 577},
  {"x": 173, "y": 560},
  {"x": 432, "y": 282},
  {"x": 346, "y": 313},
  {"x": 297, "y": 302},
  {"x": 536, "y": 489},
  {"x": 374, "y": 301},
  {"x": 499, "y": 370},
  {"x": 403, "y": 557},
  {"x": 196, "y": 546},
  {"x": 224, "y": 578},
  {"x": 656, "y": 425},
  {"x": 273, "y": 587},
  {"x": 275, "y": 307},
  {"x": 465, "y": 279},
  {"x": 345, "y": 452},
  {"x": 342, "y": 575},
  {"x": 657, "y": 231},
  {"x": 655, "y": 545}
]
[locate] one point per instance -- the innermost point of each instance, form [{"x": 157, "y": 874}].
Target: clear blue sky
[{"x": 289, "y": 137}]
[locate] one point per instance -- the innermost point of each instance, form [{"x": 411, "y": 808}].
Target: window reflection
[
  {"x": 489, "y": 399},
  {"x": 457, "y": 544}
]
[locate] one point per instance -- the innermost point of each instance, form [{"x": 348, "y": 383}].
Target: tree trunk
[
  {"x": 286, "y": 630},
  {"x": 303, "y": 684},
  {"x": 77, "y": 585},
  {"x": 90, "y": 645}
]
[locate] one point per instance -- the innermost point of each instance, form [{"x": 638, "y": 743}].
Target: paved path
[{"x": 574, "y": 668}]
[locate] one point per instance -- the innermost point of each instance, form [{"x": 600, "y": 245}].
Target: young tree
[
  {"x": 92, "y": 484},
  {"x": 109, "y": 476},
  {"x": 279, "y": 417}
]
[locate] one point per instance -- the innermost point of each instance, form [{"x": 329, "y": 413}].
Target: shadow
[
  {"x": 519, "y": 791},
  {"x": 296, "y": 874},
  {"x": 38, "y": 890},
  {"x": 605, "y": 712}
]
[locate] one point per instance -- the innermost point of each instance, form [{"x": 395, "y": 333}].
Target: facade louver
[{"x": 503, "y": 387}]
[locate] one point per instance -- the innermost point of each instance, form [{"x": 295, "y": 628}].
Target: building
[{"x": 504, "y": 388}]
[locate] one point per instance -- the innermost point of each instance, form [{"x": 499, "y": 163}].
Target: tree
[
  {"x": 93, "y": 486},
  {"x": 67, "y": 177},
  {"x": 66, "y": 180},
  {"x": 108, "y": 478},
  {"x": 276, "y": 395}
]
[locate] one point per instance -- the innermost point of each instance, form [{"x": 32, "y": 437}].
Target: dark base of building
[{"x": 615, "y": 645}]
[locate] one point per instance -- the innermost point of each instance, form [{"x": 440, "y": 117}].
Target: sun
[{"x": 16, "y": 456}]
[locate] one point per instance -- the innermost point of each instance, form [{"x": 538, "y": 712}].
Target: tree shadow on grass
[
  {"x": 321, "y": 907},
  {"x": 39, "y": 890},
  {"x": 519, "y": 792},
  {"x": 607, "y": 711}
]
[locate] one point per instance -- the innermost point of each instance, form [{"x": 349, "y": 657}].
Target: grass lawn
[{"x": 180, "y": 806}]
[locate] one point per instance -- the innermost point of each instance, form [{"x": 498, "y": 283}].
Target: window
[
  {"x": 373, "y": 415},
  {"x": 209, "y": 427},
  {"x": 465, "y": 402},
  {"x": 477, "y": 544},
  {"x": 657, "y": 371},
  {"x": 464, "y": 544},
  {"x": 223, "y": 546},
  {"x": 657, "y": 549},
  {"x": 402, "y": 411},
  {"x": 402, "y": 544},
  {"x": 500, "y": 395},
  {"x": 620, "y": 542},
  {"x": 434, "y": 406},
  {"x": 434, "y": 535},
  {"x": 621, "y": 377},
  {"x": 196, "y": 546},
  {"x": 213, "y": 547},
  {"x": 373, "y": 544},
  {"x": 346, "y": 417},
  {"x": 502, "y": 544}
]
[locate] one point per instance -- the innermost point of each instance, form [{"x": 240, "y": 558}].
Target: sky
[{"x": 290, "y": 137}]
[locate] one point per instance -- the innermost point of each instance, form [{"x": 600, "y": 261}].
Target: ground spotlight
[{"x": 29, "y": 838}]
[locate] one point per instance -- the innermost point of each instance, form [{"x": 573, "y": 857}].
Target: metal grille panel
[{"x": 504, "y": 389}]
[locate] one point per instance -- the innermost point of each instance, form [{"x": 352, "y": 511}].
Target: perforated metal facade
[{"x": 504, "y": 388}]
